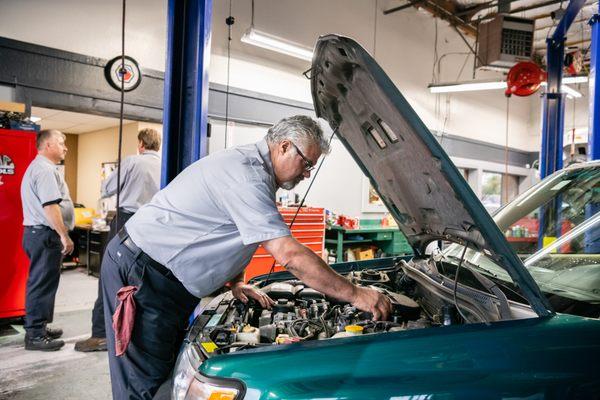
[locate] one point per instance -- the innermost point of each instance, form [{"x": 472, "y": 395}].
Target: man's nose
[{"x": 306, "y": 174}]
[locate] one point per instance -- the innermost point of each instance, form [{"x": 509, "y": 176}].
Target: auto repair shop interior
[{"x": 460, "y": 189}]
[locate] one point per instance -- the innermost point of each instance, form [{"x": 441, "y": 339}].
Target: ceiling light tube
[
  {"x": 467, "y": 87},
  {"x": 571, "y": 93},
  {"x": 574, "y": 79},
  {"x": 494, "y": 85},
  {"x": 274, "y": 43}
]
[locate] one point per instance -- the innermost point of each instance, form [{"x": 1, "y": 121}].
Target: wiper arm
[
  {"x": 489, "y": 285},
  {"x": 493, "y": 288}
]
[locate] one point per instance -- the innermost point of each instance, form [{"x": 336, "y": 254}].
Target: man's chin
[{"x": 289, "y": 185}]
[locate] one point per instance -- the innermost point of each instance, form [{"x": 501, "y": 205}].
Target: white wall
[
  {"x": 404, "y": 48},
  {"x": 90, "y": 27},
  {"x": 402, "y": 43}
]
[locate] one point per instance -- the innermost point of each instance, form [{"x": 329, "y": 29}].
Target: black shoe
[
  {"x": 43, "y": 343},
  {"x": 54, "y": 333}
]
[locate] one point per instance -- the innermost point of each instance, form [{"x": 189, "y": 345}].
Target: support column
[
  {"x": 592, "y": 236},
  {"x": 551, "y": 154},
  {"x": 594, "y": 92},
  {"x": 186, "y": 85}
]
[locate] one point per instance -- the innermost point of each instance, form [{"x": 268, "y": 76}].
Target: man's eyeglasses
[{"x": 308, "y": 165}]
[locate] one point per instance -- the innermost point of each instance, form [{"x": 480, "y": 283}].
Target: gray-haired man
[
  {"x": 199, "y": 233},
  {"x": 47, "y": 218}
]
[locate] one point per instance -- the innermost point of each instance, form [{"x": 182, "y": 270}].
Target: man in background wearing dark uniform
[
  {"x": 47, "y": 218},
  {"x": 140, "y": 180}
]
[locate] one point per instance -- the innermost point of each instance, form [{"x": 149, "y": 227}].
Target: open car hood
[{"x": 417, "y": 181}]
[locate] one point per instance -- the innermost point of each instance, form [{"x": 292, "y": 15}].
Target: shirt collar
[
  {"x": 265, "y": 154},
  {"x": 45, "y": 159},
  {"x": 150, "y": 152}
]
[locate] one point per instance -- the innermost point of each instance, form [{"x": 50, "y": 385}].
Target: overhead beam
[{"x": 446, "y": 10}]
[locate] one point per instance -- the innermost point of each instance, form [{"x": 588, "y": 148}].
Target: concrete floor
[{"x": 64, "y": 374}]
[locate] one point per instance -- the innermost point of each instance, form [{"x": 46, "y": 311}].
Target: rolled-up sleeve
[
  {"x": 254, "y": 212},
  {"x": 47, "y": 188}
]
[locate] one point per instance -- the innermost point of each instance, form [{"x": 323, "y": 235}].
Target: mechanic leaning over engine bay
[{"x": 198, "y": 234}]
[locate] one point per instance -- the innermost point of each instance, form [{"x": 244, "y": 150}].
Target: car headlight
[{"x": 189, "y": 384}]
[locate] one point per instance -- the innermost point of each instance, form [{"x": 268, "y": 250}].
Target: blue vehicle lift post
[
  {"x": 592, "y": 236},
  {"x": 594, "y": 91},
  {"x": 185, "y": 120},
  {"x": 551, "y": 155}
]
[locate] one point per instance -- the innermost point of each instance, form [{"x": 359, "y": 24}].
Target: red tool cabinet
[
  {"x": 308, "y": 229},
  {"x": 17, "y": 150}
]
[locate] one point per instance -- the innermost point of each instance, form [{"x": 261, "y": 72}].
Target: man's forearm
[
  {"x": 54, "y": 216},
  {"x": 310, "y": 268},
  {"x": 313, "y": 271}
]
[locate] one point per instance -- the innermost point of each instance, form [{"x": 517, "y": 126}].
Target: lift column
[
  {"x": 185, "y": 108},
  {"x": 551, "y": 154},
  {"x": 592, "y": 237}
]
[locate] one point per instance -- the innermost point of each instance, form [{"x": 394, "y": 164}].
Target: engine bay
[{"x": 301, "y": 313}]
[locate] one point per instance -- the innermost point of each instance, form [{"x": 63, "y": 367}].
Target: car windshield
[{"x": 554, "y": 227}]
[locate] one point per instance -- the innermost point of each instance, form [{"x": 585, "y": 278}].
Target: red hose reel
[{"x": 524, "y": 79}]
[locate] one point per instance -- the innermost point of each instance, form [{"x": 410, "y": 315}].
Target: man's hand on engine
[
  {"x": 372, "y": 301},
  {"x": 242, "y": 292}
]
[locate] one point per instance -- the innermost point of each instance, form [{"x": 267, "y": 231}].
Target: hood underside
[{"x": 415, "y": 178}]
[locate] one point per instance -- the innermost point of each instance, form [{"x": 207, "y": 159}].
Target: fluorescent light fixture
[
  {"x": 274, "y": 43},
  {"x": 571, "y": 93},
  {"x": 34, "y": 119},
  {"x": 495, "y": 85},
  {"x": 467, "y": 87},
  {"x": 574, "y": 79}
]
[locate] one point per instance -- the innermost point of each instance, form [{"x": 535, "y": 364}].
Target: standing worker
[
  {"x": 199, "y": 233},
  {"x": 140, "y": 180},
  {"x": 47, "y": 218}
]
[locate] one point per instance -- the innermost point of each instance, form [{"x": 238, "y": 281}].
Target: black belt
[
  {"x": 38, "y": 227},
  {"x": 139, "y": 254}
]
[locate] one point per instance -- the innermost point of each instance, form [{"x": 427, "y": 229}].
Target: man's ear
[{"x": 285, "y": 146}]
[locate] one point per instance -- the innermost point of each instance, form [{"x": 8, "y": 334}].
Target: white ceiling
[{"x": 72, "y": 122}]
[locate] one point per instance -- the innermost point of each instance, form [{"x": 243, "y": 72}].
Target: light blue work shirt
[
  {"x": 140, "y": 180},
  {"x": 43, "y": 185},
  {"x": 207, "y": 223}
]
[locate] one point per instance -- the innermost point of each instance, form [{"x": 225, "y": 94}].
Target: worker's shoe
[
  {"x": 91, "y": 344},
  {"x": 54, "y": 333},
  {"x": 43, "y": 343}
]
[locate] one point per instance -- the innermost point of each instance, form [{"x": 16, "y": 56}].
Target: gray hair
[{"x": 300, "y": 130}]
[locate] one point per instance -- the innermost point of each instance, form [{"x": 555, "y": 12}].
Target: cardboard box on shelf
[{"x": 364, "y": 254}]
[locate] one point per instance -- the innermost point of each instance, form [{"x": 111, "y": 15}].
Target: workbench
[
  {"x": 389, "y": 239},
  {"x": 90, "y": 246}
]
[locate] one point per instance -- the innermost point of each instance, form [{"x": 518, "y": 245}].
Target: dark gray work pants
[
  {"x": 163, "y": 307},
  {"x": 44, "y": 249},
  {"x": 98, "y": 328}
]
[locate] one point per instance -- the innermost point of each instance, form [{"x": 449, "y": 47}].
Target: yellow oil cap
[{"x": 355, "y": 329}]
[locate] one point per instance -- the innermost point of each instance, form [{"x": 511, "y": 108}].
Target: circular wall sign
[{"x": 132, "y": 76}]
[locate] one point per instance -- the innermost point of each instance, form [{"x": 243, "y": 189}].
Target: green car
[{"x": 474, "y": 321}]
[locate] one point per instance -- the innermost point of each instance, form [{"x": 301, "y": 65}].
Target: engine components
[{"x": 301, "y": 313}]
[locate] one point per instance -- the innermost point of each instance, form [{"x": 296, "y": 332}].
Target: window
[{"x": 491, "y": 190}]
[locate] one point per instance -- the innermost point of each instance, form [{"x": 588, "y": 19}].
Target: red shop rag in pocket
[{"x": 124, "y": 318}]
